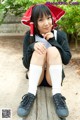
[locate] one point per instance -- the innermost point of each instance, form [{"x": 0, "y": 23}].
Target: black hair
[{"x": 39, "y": 11}]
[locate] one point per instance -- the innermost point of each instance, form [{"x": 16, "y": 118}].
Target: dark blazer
[{"x": 61, "y": 44}]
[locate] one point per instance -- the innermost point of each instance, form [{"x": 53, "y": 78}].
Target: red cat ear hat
[{"x": 56, "y": 12}]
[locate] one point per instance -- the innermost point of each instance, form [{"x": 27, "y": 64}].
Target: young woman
[{"x": 44, "y": 57}]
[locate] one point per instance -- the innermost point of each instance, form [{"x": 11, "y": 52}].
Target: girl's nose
[{"x": 46, "y": 22}]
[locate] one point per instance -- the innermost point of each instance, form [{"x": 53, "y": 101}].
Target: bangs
[
  {"x": 39, "y": 11},
  {"x": 43, "y": 11}
]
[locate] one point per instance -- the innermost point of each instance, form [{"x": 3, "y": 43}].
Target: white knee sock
[
  {"x": 34, "y": 75},
  {"x": 56, "y": 78}
]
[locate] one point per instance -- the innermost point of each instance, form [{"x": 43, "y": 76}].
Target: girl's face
[{"x": 44, "y": 24}]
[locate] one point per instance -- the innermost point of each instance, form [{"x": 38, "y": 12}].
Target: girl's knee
[
  {"x": 53, "y": 55},
  {"x": 38, "y": 58},
  {"x": 53, "y": 51}
]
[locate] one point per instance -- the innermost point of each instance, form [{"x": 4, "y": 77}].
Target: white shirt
[{"x": 44, "y": 41}]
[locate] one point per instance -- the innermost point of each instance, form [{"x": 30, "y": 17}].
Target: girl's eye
[
  {"x": 40, "y": 20},
  {"x": 49, "y": 17}
]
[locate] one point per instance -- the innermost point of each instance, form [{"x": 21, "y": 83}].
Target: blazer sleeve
[
  {"x": 28, "y": 49},
  {"x": 65, "y": 49}
]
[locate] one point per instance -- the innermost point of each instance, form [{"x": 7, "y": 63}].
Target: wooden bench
[
  {"x": 12, "y": 30},
  {"x": 43, "y": 108},
  {"x": 11, "y": 35}
]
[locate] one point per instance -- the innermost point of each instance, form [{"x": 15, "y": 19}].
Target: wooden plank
[
  {"x": 41, "y": 105},
  {"x": 12, "y": 35},
  {"x": 50, "y": 106},
  {"x": 32, "y": 114},
  {"x": 43, "y": 108}
]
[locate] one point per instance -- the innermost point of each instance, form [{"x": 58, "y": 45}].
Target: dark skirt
[{"x": 44, "y": 81}]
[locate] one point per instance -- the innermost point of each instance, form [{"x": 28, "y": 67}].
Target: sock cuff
[
  {"x": 55, "y": 67},
  {"x": 32, "y": 66}
]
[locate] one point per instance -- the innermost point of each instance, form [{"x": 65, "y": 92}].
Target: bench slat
[
  {"x": 50, "y": 106},
  {"x": 41, "y": 105},
  {"x": 43, "y": 108}
]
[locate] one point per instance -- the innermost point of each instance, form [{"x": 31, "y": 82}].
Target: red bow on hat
[{"x": 56, "y": 12}]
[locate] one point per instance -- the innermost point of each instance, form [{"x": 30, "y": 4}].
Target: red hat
[{"x": 56, "y": 12}]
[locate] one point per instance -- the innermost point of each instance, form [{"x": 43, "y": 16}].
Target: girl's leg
[
  {"x": 54, "y": 69},
  {"x": 36, "y": 74},
  {"x": 36, "y": 71},
  {"x": 54, "y": 78}
]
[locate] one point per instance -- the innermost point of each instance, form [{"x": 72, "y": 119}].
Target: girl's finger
[
  {"x": 41, "y": 46},
  {"x": 39, "y": 51}
]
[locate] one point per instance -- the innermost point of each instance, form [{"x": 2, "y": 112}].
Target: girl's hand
[
  {"x": 48, "y": 35},
  {"x": 40, "y": 48}
]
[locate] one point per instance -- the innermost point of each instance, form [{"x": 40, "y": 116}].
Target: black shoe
[
  {"x": 25, "y": 105},
  {"x": 60, "y": 105}
]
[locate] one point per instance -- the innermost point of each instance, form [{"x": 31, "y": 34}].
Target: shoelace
[
  {"x": 60, "y": 101},
  {"x": 26, "y": 100}
]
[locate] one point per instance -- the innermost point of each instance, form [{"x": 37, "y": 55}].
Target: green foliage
[
  {"x": 11, "y": 7},
  {"x": 71, "y": 19},
  {"x": 16, "y": 7}
]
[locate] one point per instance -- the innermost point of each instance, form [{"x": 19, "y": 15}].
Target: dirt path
[{"x": 13, "y": 82}]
